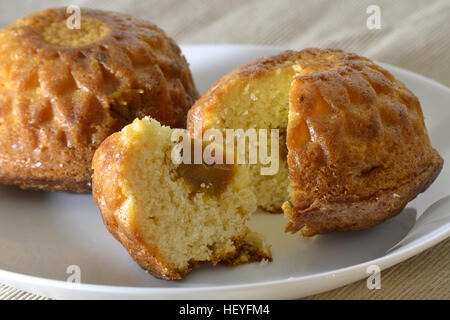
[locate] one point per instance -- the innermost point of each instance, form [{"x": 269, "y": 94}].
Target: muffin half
[
  {"x": 169, "y": 214},
  {"x": 357, "y": 146}
]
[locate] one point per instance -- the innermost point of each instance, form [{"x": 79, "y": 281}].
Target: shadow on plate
[
  {"x": 435, "y": 216},
  {"x": 14, "y": 194}
]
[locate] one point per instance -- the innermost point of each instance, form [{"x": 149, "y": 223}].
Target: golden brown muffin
[
  {"x": 173, "y": 216},
  {"x": 358, "y": 149},
  {"x": 63, "y": 91}
]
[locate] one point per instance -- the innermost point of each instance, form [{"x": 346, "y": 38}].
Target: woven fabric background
[{"x": 414, "y": 34}]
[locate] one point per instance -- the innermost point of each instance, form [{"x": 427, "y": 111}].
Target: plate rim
[{"x": 413, "y": 248}]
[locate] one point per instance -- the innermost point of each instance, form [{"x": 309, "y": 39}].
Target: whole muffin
[
  {"x": 63, "y": 91},
  {"x": 357, "y": 149}
]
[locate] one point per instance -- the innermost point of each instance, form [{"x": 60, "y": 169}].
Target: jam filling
[{"x": 211, "y": 179}]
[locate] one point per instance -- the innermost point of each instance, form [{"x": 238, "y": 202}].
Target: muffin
[
  {"x": 63, "y": 91},
  {"x": 172, "y": 215},
  {"x": 357, "y": 146}
]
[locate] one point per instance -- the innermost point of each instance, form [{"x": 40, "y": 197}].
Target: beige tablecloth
[{"x": 414, "y": 34}]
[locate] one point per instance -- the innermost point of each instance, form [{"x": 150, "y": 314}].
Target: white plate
[{"x": 42, "y": 233}]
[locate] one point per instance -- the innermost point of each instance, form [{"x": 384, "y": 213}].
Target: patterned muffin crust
[
  {"x": 63, "y": 91},
  {"x": 358, "y": 148}
]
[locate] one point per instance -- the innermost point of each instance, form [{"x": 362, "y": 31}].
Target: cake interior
[
  {"x": 183, "y": 219},
  {"x": 261, "y": 102}
]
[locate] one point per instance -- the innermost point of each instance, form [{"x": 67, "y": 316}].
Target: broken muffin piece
[{"x": 171, "y": 215}]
